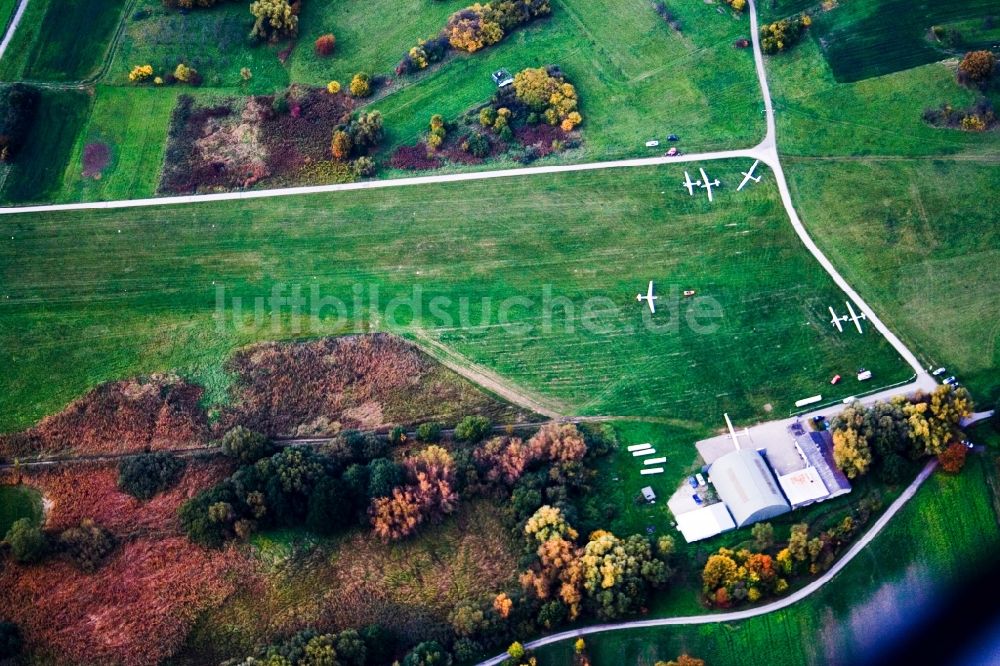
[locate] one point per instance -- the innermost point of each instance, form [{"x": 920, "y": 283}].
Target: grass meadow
[
  {"x": 927, "y": 545},
  {"x": 65, "y": 40},
  {"x": 37, "y": 175},
  {"x": 922, "y": 245},
  {"x": 102, "y": 294},
  {"x": 871, "y": 38}
]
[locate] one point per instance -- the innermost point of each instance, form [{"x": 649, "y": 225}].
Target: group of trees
[
  {"x": 783, "y": 34},
  {"x": 147, "y": 474},
  {"x": 540, "y": 481},
  {"x": 371, "y": 646},
  {"x": 274, "y": 19},
  {"x": 607, "y": 576},
  {"x": 183, "y": 73},
  {"x": 438, "y": 132},
  {"x": 18, "y": 103},
  {"x": 87, "y": 545},
  {"x": 731, "y": 577},
  {"x": 546, "y": 92},
  {"x": 324, "y": 491},
  {"x": 978, "y": 117},
  {"x": 353, "y": 141},
  {"x": 428, "y": 494},
  {"x": 473, "y": 28},
  {"x": 537, "y": 95},
  {"x": 734, "y": 576},
  {"x": 886, "y": 434}
]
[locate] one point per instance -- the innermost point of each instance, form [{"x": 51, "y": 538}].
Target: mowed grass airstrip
[
  {"x": 95, "y": 295},
  {"x": 637, "y": 77}
]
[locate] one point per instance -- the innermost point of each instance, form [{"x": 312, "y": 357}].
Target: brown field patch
[
  {"x": 365, "y": 382},
  {"x": 134, "y": 611},
  {"x": 156, "y": 412},
  {"x": 81, "y": 491}
]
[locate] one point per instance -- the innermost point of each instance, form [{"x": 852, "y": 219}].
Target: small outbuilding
[
  {"x": 747, "y": 486},
  {"x": 648, "y": 494},
  {"x": 502, "y": 78}
]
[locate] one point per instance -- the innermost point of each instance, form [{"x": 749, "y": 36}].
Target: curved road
[
  {"x": 767, "y": 152},
  {"x": 734, "y": 616}
]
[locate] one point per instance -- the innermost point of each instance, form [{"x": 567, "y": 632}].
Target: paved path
[
  {"x": 9, "y": 35},
  {"x": 734, "y": 616},
  {"x": 751, "y": 153}
]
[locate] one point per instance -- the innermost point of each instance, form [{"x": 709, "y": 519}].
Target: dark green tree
[
  {"x": 145, "y": 475},
  {"x": 28, "y": 544},
  {"x": 473, "y": 429},
  {"x": 245, "y": 446}
]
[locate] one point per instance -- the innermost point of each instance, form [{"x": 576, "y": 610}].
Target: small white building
[
  {"x": 648, "y": 493},
  {"x": 705, "y": 522}
]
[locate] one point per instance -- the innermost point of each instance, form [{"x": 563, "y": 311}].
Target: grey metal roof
[{"x": 748, "y": 487}]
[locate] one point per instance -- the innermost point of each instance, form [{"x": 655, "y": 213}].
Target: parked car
[{"x": 951, "y": 380}]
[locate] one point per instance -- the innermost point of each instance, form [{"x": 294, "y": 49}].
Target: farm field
[
  {"x": 902, "y": 208},
  {"x": 926, "y": 546},
  {"x": 818, "y": 116},
  {"x": 62, "y": 40},
  {"x": 137, "y": 292},
  {"x": 129, "y": 123},
  {"x": 871, "y": 38}
]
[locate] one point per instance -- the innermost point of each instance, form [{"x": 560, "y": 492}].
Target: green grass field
[
  {"x": 869, "y": 38},
  {"x": 818, "y": 116},
  {"x": 922, "y": 245},
  {"x": 131, "y": 123},
  {"x": 83, "y": 303},
  {"x": 903, "y": 209},
  {"x": 929, "y": 543},
  {"x": 18, "y": 502},
  {"x": 37, "y": 174},
  {"x": 7, "y": 9},
  {"x": 62, "y": 40}
]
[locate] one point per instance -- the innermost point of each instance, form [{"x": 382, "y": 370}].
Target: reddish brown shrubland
[
  {"x": 365, "y": 382},
  {"x": 76, "y": 492},
  {"x": 134, "y": 610},
  {"x": 232, "y": 145},
  {"x": 119, "y": 417}
]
